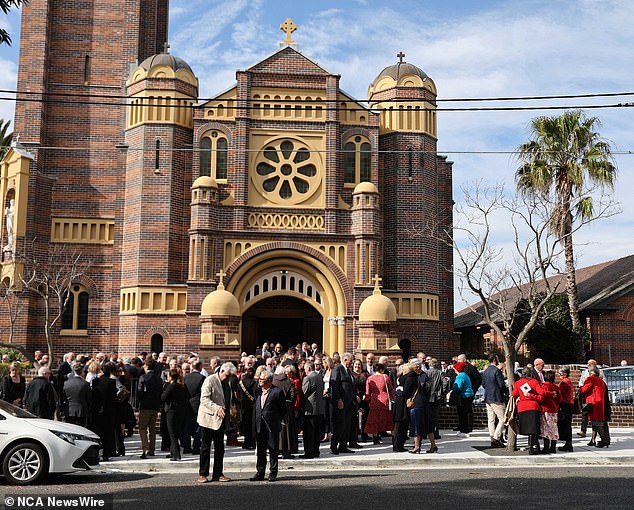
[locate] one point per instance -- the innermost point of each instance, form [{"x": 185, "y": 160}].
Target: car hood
[{"x": 61, "y": 426}]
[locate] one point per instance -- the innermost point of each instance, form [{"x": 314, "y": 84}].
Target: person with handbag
[
  {"x": 400, "y": 412},
  {"x": 421, "y": 423}
]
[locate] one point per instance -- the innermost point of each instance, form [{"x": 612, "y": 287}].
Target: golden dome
[
  {"x": 365, "y": 187},
  {"x": 204, "y": 181},
  {"x": 220, "y": 303},
  {"x": 377, "y": 307}
]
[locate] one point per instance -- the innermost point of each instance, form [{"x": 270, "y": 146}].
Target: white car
[{"x": 31, "y": 447}]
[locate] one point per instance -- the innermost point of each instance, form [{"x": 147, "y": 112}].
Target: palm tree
[
  {"x": 6, "y": 6},
  {"x": 566, "y": 158},
  {"x": 5, "y": 137}
]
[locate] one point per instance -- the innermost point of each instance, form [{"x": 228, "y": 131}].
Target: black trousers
[
  {"x": 207, "y": 436},
  {"x": 312, "y": 435},
  {"x": 564, "y": 422},
  {"x": 246, "y": 422},
  {"x": 399, "y": 437},
  {"x": 76, "y": 420},
  {"x": 175, "y": 421},
  {"x": 266, "y": 441},
  {"x": 465, "y": 415},
  {"x": 342, "y": 419}
]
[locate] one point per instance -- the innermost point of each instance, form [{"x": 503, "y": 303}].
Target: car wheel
[{"x": 24, "y": 464}]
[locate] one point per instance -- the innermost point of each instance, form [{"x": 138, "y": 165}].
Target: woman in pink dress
[{"x": 379, "y": 393}]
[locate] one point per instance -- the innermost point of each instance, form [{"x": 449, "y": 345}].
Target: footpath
[{"x": 453, "y": 452}]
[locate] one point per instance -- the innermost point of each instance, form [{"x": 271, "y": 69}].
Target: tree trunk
[
  {"x": 578, "y": 348},
  {"x": 509, "y": 365}
]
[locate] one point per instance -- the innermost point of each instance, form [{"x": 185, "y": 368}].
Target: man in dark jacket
[
  {"x": 342, "y": 390},
  {"x": 77, "y": 398},
  {"x": 314, "y": 408},
  {"x": 40, "y": 398},
  {"x": 149, "y": 395},
  {"x": 495, "y": 397},
  {"x": 270, "y": 408},
  {"x": 194, "y": 382}
]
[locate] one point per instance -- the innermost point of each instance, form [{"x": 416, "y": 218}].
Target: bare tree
[
  {"x": 13, "y": 299},
  {"x": 50, "y": 276},
  {"x": 527, "y": 270}
]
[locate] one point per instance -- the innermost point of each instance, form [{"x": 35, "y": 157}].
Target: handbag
[
  {"x": 410, "y": 401},
  {"x": 455, "y": 399}
]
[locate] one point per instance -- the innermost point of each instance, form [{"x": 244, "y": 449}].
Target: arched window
[
  {"x": 75, "y": 317},
  {"x": 357, "y": 160},
  {"x": 214, "y": 154}
]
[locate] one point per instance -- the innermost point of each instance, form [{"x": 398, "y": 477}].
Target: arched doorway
[
  {"x": 156, "y": 343},
  {"x": 284, "y": 319}
]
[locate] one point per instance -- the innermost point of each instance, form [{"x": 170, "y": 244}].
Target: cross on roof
[
  {"x": 376, "y": 280},
  {"x": 400, "y": 56},
  {"x": 288, "y": 27},
  {"x": 221, "y": 275}
]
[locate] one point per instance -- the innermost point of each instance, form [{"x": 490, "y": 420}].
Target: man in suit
[
  {"x": 270, "y": 408},
  {"x": 495, "y": 396},
  {"x": 314, "y": 408},
  {"x": 149, "y": 392},
  {"x": 538, "y": 370},
  {"x": 40, "y": 398},
  {"x": 194, "y": 382},
  {"x": 213, "y": 418},
  {"x": 368, "y": 366},
  {"x": 77, "y": 398},
  {"x": 342, "y": 391}
]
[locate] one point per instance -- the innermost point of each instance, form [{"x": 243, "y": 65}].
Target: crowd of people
[{"x": 271, "y": 396}]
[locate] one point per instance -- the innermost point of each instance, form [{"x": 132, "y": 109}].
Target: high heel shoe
[
  {"x": 433, "y": 450},
  {"x": 415, "y": 450},
  {"x": 592, "y": 443},
  {"x": 601, "y": 444}
]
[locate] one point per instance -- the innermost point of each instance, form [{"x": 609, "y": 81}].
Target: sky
[{"x": 471, "y": 49}]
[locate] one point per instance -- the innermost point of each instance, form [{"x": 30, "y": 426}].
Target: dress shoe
[
  {"x": 398, "y": 449},
  {"x": 496, "y": 443},
  {"x": 272, "y": 478},
  {"x": 257, "y": 478},
  {"x": 334, "y": 451},
  {"x": 221, "y": 478},
  {"x": 346, "y": 450},
  {"x": 202, "y": 479},
  {"x": 376, "y": 440},
  {"x": 144, "y": 455},
  {"x": 565, "y": 448},
  {"x": 355, "y": 446},
  {"x": 304, "y": 456},
  {"x": 432, "y": 450},
  {"x": 601, "y": 444},
  {"x": 581, "y": 434},
  {"x": 533, "y": 451},
  {"x": 591, "y": 443},
  {"x": 288, "y": 456},
  {"x": 174, "y": 459},
  {"x": 151, "y": 454}
]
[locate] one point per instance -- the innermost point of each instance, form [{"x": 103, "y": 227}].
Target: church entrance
[{"x": 282, "y": 319}]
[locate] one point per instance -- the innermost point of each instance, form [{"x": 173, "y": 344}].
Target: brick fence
[{"x": 622, "y": 416}]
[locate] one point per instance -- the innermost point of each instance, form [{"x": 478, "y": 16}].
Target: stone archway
[{"x": 262, "y": 268}]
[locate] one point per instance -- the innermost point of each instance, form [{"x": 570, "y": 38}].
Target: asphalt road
[{"x": 594, "y": 487}]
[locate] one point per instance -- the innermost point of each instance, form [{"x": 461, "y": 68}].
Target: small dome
[
  {"x": 220, "y": 303},
  {"x": 397, "y": 71},
  {"x": 377, "y": 307},
  {"x": 204, "y": 181},
  {"x": 165, "y": 59},
  {"x": 365, "y": 187}
]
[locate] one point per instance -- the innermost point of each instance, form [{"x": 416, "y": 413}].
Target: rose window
[{"x": 286, "y": 172}]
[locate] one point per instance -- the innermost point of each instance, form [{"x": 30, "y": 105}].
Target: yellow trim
[
  {"x": 153, "y": 300},
  {"x": 82, "y": 230},
  {"x": 160, "y": 107},
  {"x": 73, "y": 332},
  {"x": 414, "y": 306}
]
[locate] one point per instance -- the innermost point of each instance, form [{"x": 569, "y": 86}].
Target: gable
[{"x": 288, "y": 61}]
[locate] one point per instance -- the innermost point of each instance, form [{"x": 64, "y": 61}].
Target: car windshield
[{"x": 15, "y": 411}]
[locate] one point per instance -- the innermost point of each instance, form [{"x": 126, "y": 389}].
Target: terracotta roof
[{"x": 597, "y": 285}]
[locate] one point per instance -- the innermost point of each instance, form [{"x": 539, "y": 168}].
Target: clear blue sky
[{"x": 470, "y": 48}]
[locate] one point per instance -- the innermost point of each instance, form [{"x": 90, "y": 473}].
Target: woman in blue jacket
[{"x": 462, "y": 387}]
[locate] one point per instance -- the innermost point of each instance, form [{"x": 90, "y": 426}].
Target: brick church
[{"x": 281, "y": 209}]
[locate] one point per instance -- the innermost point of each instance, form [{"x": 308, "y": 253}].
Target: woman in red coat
[
  {"x": 529, "y": 393},
  {"x": 566, "y": 406},
  {"x": 595, "y": 391}
]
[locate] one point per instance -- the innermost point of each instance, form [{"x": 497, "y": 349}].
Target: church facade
[{"x": 281, "y": 209}]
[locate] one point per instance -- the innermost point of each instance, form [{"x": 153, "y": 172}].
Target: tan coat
[{"x": 212, "y": 398}]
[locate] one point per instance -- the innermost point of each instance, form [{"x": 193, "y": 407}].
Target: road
[{"x": 603, "y": 487}]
